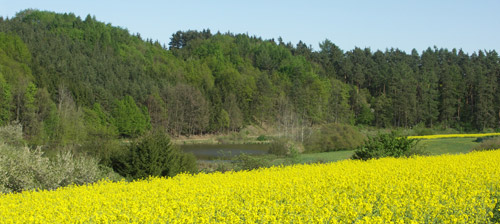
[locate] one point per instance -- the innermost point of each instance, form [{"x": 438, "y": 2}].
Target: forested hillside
[{"x": 68, "y": 79}]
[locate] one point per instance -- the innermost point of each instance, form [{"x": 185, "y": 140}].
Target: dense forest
[{"x": 69, "y": 80}]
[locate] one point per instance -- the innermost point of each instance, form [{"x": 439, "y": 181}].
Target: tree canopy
[{"x": 205, "y": 82}]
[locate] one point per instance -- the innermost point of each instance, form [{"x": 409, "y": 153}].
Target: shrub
[
  {"x": 334, "y": 137},
  {"x": 102, "y": 149},
  {"x": 284, "y": 146},
  {"x": 292, "y": 157},
  {"x": 153, "y": 155},
  {"x": 487, "y": 144},
  {"x": 22, "y": 168},
  {"x": 424, "y": 131},
  {"x": 247, "y": 162},
  {"x": 387, "y": 145},
  {"x": 279, "y": 147},
  {"x": 223, "y": 167},
  {"x": 102, "y": 136},
  {"x": 419, "y": 130},
  {"x": 262, "y": 138},
  {"x": 12, "y": 135}
]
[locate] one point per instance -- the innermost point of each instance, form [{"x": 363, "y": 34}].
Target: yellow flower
[{"x": 443, "y": 189}]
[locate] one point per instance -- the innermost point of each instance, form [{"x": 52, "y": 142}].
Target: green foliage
[
  {"x": 12, "y": 135},
  {"x": 188, "y": 110},
  {"x": 103, "y": 149},
  {"x": 212, "y": 83},
  {"x": 5, "y": 101},
  {"x": 283, "y": 146},
  {"x": 70, "y": 129},
  {"x": 101, "y": 141},
  {"x": 247, "y": 162},
  {"x": 420, "y": 129},
  {"x": 361, "y": 108},
  {"x": 22, "y": 168},
  {"x": 48, "y": 116},
  {"x": 26, "y": 169},
  {"x": 496, "y": 210},
  {"x": 28, "y": 111},
  {"x": 386, "y": 145},
  {"x": 98, "y": 122},
  {"x": 279, "y": 147},
  {"x": 153, "y": 155},
  {"x": 129, "y": 119},
  {"x": 224, "y": 120},
  {"x": 339, "y": 107},
  {"x": 294, "y": 155},
  {"x": 334, "y": 137},
  {"x": 383, "y": 111},
  {"x": 157, "y": 111},
  {"x": 262, "y": 138},
  {"x": 82, "y": 84},
  {"x": 365, "y": 116},
  {"x": 13, "y": 47},
  {"x": 488, "y": 144}
]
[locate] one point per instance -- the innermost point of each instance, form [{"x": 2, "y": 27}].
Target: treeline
[{"x": 68, "y": 80}]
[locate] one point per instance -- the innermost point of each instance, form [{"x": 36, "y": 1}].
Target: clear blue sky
[{"x": 470, "y": 25}]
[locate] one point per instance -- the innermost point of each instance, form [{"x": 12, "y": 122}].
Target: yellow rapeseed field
[
  {"x": 454, "y": 136},
  {"x": 442, "y": 189}
]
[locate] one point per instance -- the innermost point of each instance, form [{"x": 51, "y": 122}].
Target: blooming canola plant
[{"x": 447, "y": 188}]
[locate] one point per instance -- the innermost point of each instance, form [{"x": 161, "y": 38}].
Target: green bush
[
  {"x": 262, "y": 138},
  {"x": 284, "y": 147},
  {"x": 334, "y": 137},
  {"x": 247, "y": 162},
  {"x": 102, "y": 136},
  {"x": 487, "y": 144},
  {"x": 103, "y": 149},
  {"x": 424, "y": 131},
  {"x": 12, "y": 135},
  {"x": 279, "y": 147},
  {"x": 22, "y": 168},
  {"x": 420, "y": 129},
  {"x": 153, "y": 155},
  {"x": 387, "y": 145}
]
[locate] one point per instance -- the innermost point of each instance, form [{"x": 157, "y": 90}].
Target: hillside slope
[{"x": 56, "y": 66}]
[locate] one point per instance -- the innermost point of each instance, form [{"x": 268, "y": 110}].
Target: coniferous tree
[
  {"x": 449, "y": 97},
  {"x": 427, "y": 91},
  {"x": 486, "y": 89},
  {"x": 330, "y": 59},
  {"x": 277, "y": 83}
]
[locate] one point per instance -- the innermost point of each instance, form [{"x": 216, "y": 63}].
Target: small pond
[{"x": 223, "y": 151}]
